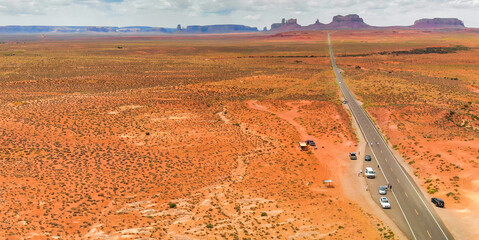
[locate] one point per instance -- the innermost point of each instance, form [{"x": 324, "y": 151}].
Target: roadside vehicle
[
  {"x": 369, "y": 172},
  {"x": 367, "y": 158},
  {"x": 353, "y": 156},
  {"x": 311, "y": 143},
  {"x": 438, "y": 202},
  {"x": 384, "y": 202},
  {"x": 383, "y": 190}
]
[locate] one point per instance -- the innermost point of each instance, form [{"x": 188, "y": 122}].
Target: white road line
[
  {"x": 365, "y": 136},
  {"x": 405, "y": 193},
  {"x": 422, "y": 200},
  {"x": 428, "y": 234},
  {"x": 382, "y": 139},
  {"x": 416, "y": 212}
]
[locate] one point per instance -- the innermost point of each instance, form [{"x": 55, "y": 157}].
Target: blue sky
[{"x": 258, "y": 13}]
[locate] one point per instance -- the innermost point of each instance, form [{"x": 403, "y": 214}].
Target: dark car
[
  {"x": 438, "y": 202},
  {"x": 353, "y": 156},
  {"x": 367, "y": 158},
  {"x": 311, "y": 143}
]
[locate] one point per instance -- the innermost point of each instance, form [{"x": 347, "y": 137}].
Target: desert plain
[{"x": 196, "y": 137}]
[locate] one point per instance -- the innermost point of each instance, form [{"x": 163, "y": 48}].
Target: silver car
[{"x": 383, "y": 189}]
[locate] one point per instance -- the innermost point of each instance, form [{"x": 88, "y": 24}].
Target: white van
[{"x": 370, "y": 173}]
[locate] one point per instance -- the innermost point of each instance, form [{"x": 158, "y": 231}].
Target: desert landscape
[
  {"x": 421, "y": 88},
  {"x": 196, "y": 136},
  {"x": 175, "y": 138}
]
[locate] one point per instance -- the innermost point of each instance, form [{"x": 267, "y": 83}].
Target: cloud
[
  {"x": 223, "y": 7},
  {"x": 239, "y": 11},
  {"x": 253, "y": 17},
  {"x": 25, "y": 7},
  {"x": 463, "y": 4}
]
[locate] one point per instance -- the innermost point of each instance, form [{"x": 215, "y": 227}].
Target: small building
[{"x": 303, "y": 146}]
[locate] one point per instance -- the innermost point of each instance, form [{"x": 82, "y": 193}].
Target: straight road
[{"x": 423, "y": 222}]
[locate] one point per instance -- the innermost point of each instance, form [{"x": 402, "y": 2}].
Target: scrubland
[
  {"x": 177, "y": 138},
  {"x": 427, "y": 103}
]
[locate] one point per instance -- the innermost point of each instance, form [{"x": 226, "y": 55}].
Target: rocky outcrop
[
  {"x": 284, "y": 26},
  {"x": 194, "y": 29},
  {"x": 315, "y": 26},
  {"x": 438, "y": 23},
  {"x": 352, "y": 21}
]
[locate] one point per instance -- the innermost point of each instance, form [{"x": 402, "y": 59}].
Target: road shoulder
[{"x": 355, "y": 187}]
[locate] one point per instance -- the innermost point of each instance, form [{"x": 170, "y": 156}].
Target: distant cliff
[
  {"x": 80, "y": 29},
  {"x": 438, "y": 23},
  {"x": 218, "y": 29}
]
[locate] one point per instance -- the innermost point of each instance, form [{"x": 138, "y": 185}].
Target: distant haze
[{"x": 257, "y": 13}]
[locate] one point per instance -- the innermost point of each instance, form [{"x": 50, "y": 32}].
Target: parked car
[
  {"x": 353, "y": 156},
  {"x": 383, "y": 189},
  {"x": 369, "y": 172},
  {"x": 438, "y": 202},
  {"x": 384, "y": 202},
  {"x": 367, "y": 158},
  {"x": 311, "y": 143}
]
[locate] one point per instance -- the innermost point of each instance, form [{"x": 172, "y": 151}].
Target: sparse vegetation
[
  {"x": 125, "y": 136},
  {"x": 423, "y": 95}
]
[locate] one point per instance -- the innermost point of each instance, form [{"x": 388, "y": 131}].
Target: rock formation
[
  {"x": 352, "y": 21},
  {"x": 438, "y": 23},
  {"x": 289, "y": 25},
  {"x": 316, "y": 26}
]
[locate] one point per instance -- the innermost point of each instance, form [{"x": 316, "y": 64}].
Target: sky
[{"x": 256, "y": 13}]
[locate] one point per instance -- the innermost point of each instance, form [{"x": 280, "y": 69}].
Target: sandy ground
[{"x": 344, "y": 171}]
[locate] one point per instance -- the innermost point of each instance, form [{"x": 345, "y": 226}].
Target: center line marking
[
  {"x": 416, "y": 212},
  {"x": 428, "y": 234},
  {"x": 406, "y": 194},
  {"x": 398, "y": 180}
]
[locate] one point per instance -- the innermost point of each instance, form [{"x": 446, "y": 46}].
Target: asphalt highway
[{"x": 422, "y": 220}]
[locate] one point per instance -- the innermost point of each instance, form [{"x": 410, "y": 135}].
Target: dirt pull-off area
[{"x": 324, "y": 153}]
